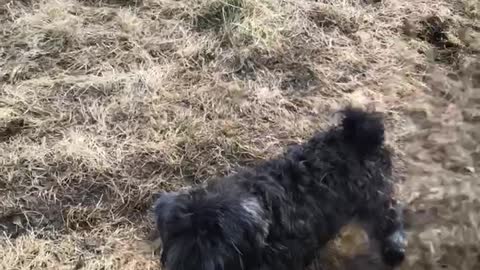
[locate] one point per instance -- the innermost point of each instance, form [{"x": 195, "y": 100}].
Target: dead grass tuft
[
  {"x": 220, "y": 15},
  {"x": 471, "y": 8},
  {"x": 329, "y": 17}
]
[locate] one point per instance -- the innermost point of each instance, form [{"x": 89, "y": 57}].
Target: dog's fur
[{"x": 278, "y": 215}]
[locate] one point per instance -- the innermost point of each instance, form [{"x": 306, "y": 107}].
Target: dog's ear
[
  {"x": 171, "y": 214},
  {"x": 164, "y": 209}
]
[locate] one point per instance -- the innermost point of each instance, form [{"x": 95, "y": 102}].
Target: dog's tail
[{"x": 365, "y": 131}]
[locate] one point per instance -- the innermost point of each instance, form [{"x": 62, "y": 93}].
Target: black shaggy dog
[{"x": 277, "y": 215}]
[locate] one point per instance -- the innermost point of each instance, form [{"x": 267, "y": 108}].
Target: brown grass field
[{"x": 105, "y": 103}]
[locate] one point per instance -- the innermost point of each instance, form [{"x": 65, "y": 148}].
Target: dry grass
[{"x": 105, "y": 103}]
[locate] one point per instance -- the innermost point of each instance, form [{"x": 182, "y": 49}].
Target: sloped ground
[{"x": 105, "y": 103}]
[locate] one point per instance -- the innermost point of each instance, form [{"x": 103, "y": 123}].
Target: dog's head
[{"x": 204, "y": 230}]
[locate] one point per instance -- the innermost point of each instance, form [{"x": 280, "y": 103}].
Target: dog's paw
[
  {"x": 393, "y": 257},
  {"x": 394, "y": 248}
]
